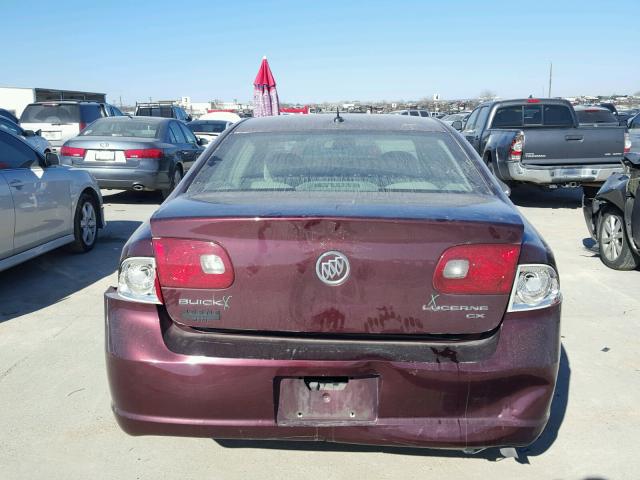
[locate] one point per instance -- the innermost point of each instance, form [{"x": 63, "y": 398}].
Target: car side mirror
[
  {"x": 457, "y": 125},
  {"x": 189, "y": 118},
  {"x": 51, "y": 159},
  {"x": 203, "y": 141},
  {"x": 29, "y": 133},
  {"x": 39, "y": 132}
]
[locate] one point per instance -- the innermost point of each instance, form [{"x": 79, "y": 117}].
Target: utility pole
[{"x": 550, "y": 77}]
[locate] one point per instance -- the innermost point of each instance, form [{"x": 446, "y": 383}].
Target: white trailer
[{"x": 15, "y": 99}]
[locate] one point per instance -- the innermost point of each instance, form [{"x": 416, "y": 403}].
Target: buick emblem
[{"x": 332, "y": 268}]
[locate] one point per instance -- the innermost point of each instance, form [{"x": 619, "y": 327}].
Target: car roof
[
  {"x": 139, "y": 118},
  {"x": 67, "y": 102},
  {"x": 592, "y": 107},
  {"x": 322, "y": 121}
]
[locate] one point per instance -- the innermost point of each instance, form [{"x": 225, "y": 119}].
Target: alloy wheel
[
  {"x": 612, "y": 237},
  {"x": 88, "y": 223}
]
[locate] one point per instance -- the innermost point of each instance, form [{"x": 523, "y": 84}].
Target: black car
[
  {"x": 134, "y": 153},
  {"x": 161, "y": 109},
  {"x": 613, "y": 217}
]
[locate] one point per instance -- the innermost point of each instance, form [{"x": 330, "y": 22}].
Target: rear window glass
[
  {"x": 207, "y": 127},
  {"x": 165, "y": 112},
  {"x": 557, "y": 116},
  {"x": 109, "y": 127},
  {"x": 507, "y": 117},
  {"x": 339, "y": 162},
  {"x": 596, "y": 116},
  {"x": 532, "y": 114},
  {"x": 51, "y": 113}
]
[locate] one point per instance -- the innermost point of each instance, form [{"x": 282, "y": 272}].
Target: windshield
[
  {"x": 118, "y": 127},
  {"x": 339, "y": 162},
  {"x": 210, "y": 126},
  {"x": 51, "y": 113}
]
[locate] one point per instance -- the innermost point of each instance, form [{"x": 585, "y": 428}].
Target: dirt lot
[{"x": 56, "y": 421}]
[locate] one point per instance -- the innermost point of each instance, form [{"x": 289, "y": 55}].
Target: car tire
[
  {"x": 85, "y": 225},
  {"x": 175, "y": 180},
  {"x": 615, "y": 251}
]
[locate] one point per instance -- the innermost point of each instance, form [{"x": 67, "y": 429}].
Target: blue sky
[{"x": 321, "y": 51}]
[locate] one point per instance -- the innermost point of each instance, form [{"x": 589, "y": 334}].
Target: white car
[
  {"x": 208, "y": 129},
  {"x": 34, "y": 139},
  {"x": 43, "y": 205},
  {"x": 61, "y": 120}
]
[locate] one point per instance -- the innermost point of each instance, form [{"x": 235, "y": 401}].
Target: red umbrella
[{"x": 265, "y": 95}]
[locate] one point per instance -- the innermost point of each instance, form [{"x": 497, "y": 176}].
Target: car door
[
  {"x": 41, "y": 196},
  {"x": 183, "y": 149},
  {"x": 469, "y": 130},
  {"x": 194, "y": 149},
  {"x": 7, "y": 213}
]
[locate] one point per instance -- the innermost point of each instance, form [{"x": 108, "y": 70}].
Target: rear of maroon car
[{"x": 362, "y": 281}]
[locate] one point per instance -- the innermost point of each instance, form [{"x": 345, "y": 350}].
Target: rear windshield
[
  {"x": 518, "y": 116},
  {"x": 339, "y": 162},
  {"x": 207, "y": 127},
  {"x": 596, "y": 116},
  {"x": 110, "y": 127},
  {"x": 165, "y": 112},
  {"x": 51, "y": 113}
]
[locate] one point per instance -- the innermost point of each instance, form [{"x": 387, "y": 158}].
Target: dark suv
[{"x": 164, "y": 110}]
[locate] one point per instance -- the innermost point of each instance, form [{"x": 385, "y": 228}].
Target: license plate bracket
[{"x": 325, "y": 401}]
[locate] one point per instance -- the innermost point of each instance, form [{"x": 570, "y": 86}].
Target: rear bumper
[
  {"x": 126, "y": 178},
  {"x": 500, "y": 398},
  {"x": 548, "y": 175}
]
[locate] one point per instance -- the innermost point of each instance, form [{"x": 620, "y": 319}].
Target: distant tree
[{"x": 487, "y": 94}]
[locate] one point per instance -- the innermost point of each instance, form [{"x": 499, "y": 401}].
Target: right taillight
[
  {"x": 535, "y": 287},
  {"x": 515, "y": 150},
  {"x": 144, "y": 153},
  {"x": 627, "y": 142},
  {"x": 72, "y": 152},
  {"x": 184, "y": 263},
  {"x": 481, "y": 269}
]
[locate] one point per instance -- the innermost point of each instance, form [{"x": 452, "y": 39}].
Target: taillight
[
  {"x": 535, "y": 287},
  {"x": 192, "y": 264},
  {"x": 627, "y": 142},
  {"x": 484, "y": 269},
  {"x": 143, "y": 153},
  {"x": 515, "y": 150},
  {"x": 137, "y": 280},
  {"x": 72, "y": 152}
]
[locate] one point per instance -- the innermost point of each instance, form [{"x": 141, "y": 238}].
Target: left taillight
[
  {"x": 483, "y": 269},
  {"x": 516, "y": 147},
  {"x": 72, "y": 152},
  {"x": 138, "y": 281},
  {"x": 184, "y": 263}
]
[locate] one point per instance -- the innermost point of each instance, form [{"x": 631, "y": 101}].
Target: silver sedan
[{"x": 43, "y": 205}]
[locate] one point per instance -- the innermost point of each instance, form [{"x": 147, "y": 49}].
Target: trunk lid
[
  {"x": 108, "y": 150},
  {"x": 392, "y": 246},
  {"x": 567, "y": 146}
]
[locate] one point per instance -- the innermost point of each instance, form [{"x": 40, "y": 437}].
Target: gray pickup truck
[{"x": 539, "y": 141}]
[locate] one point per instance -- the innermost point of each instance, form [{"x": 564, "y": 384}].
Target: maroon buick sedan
[{"x": 359, "y": 279}]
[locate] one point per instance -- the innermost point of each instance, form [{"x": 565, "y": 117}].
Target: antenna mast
[{"x": 550, "y": 77}]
